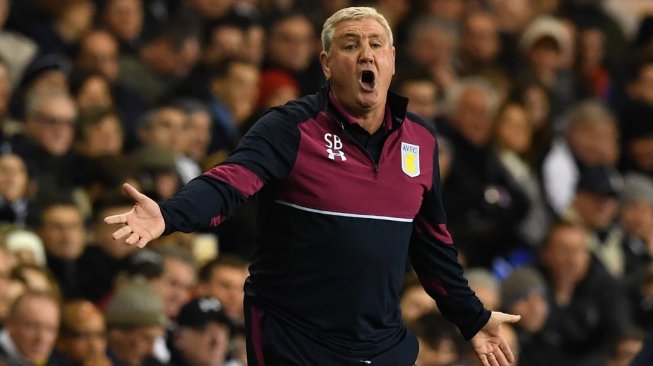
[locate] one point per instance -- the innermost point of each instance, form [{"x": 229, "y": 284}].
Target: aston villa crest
[{"x": 410, "y": 159}]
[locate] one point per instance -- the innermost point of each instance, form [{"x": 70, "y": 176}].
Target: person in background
[
  {"x": 83, "y": 334},
  {"x": 525, "y": 293},
  {"x": 578, "y": 284},
  {"x": 203, "y": 333},
  {"x": 135, "y": 318},
  {"x": 30, "y": 331},
  {"x": 414, "y": 301},
  {"x": 224, "y": 278}
]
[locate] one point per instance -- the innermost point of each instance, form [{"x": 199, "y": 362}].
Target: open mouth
[{"x": 367, "y": 80}]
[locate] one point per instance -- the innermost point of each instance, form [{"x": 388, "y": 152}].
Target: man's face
[
  {"x": 86, "y": 339},
  {"x": 360, "y": 65},
  {"x": 133, "y": 346},
  {"x": 226, "y": 284},
  {"x": 207, "y": 346},
  {"x": 99, "y": 53},
  {"x": 34, "y": 328},
  {"x": 52, "y": 126},
  {"x": 62, "y": 232},
  {"x": 291, "y": 44},
  {"x": 176, "y": 285},
  {"x": 567, "y": 255}
]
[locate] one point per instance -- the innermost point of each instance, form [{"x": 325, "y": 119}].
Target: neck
[{"x": 369, "y": 119}]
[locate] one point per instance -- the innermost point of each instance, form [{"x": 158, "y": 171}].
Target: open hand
[{"x": 142, "y": 224}]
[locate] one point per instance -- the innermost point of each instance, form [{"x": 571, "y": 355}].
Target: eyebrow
[{"x": 357, "y": 36}]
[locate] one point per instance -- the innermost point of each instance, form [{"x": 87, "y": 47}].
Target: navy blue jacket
[{"x": 336, "y": 225}]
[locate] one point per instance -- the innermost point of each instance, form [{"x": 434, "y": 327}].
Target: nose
[{"x": 366, "y": 54}]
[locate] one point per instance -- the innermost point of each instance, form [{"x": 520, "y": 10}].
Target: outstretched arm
[
  {"x": 490, "y": 346},
  {"x": 141, "y": 224}
]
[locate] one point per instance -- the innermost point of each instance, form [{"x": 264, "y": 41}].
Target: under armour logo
[{"x": 334, "y": 147}]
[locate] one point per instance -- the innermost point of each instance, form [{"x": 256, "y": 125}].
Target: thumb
[
  {"x": 133, "y": 193},
  {"x": 508, "y": 318}
]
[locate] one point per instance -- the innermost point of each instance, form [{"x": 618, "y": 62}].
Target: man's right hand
[{"x": 140, "y": 225}]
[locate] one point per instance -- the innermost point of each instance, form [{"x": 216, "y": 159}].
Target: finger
[
  {"x": 505, "y": 349},
  {"x": 484, "y": 360},
  {"x": 121, "y": 233},
  {"x": 501, "y": 358},
  {"x": 509, "y": 318},
  {"x": 133, "y": 193},
  {"x": 133, "y": 239},
  {"x": 142, "y": 242},
  {"x": 493, "y": 359},
  {"x": 116, "y": 219}
]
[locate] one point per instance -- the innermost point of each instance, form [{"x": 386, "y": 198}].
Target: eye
[
  {"x": 350, "y": 46},
  {"x": 376, "y": 45}
]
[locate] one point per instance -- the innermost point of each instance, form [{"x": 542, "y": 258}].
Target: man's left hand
[{"x": 488, "y": 343}]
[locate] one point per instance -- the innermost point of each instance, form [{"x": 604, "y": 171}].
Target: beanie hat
[
  {"x": 520, "y": 283},
  {"x": 136, "y": 304}
]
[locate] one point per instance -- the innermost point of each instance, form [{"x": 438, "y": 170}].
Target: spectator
[
  {"x": 439, "y": 342},
  {"x": 626, "y": 346},
  {"x": 63, "y": 233},
  {"x": 234, "y": 89},
  {"x": 276, "y": 88},
  {"x": 31, "y": 331},
  {"x": 422, "y": 92},
  {"x": 198, "y": 128},
  {"x": 483, "y": 205},
  {"x": 479, "y": 50},
  {"x": 202, "y": 336},
  {"x": 99, "y": 133},
  {"x": 590, "y": 138},
  {"x": 524, "y": 292},
  {"x": 596, "y": 206},
  {"x": 47, "y": 143},
  {"x": 15, "y": 190},
  {"x": 166, "y": 127},
  {"x": 8, "y": 126},
  {"x": 82, "y": 337},
  {"x": 135, "y": 318},
  {"x": 224, "y": 278},
  {"x": 9, "y": 289},
  {"x": 546, "y": 44},
  {"x": 91, "y": 90},
  {"x": 36, "y": 278},
  {"x": 578, "y": 287},
  {"x": 513, "y": 136},
  {"x": 636, "y": 218},
  {"x": 124, "y": 20},
  {"x": 98, "y": 53},
  {"x": 104, "y": 258},
  {"x": 15, "y": 49},
  {"x": 26, "y": 247},
  {"x": 165, "y": 57},
  {"x": 431, "y": 45},
  {"x": 486, "y": 286},
  {"x": 67, "y": 20},
  {"x": 292, "y": 47},
  {"x": 414, "y": 301}
]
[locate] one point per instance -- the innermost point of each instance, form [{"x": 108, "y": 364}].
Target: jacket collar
[{"x": 395, "y": 102}]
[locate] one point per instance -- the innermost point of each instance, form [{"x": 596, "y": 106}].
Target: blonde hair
[{"x": 351, "y": 13}]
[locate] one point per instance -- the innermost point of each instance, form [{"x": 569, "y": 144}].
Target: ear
[
  {"x": 393, "y": 60},
  {"x": 324, "y": 61}
]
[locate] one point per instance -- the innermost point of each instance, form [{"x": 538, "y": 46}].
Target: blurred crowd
[{"x": 544, "y": 113}]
